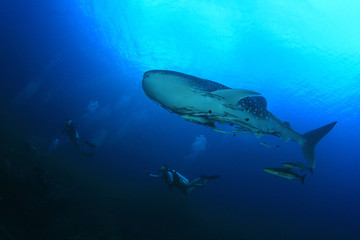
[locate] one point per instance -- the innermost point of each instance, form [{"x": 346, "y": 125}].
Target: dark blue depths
[{"x": 56, "y": 66}]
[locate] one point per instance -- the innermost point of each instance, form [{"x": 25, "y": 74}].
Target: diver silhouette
[
  {"x": 85, "y": 147},
  {"x": 174, "y": 178}
]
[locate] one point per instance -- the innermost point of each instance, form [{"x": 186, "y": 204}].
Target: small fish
[
  {"x": 298, "y": 165},
  {"x": 268, "y": 146},
  {"x": 285, "y": 173}
]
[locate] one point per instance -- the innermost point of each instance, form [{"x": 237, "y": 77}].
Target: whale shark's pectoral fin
[{"x": 233, "y": 96}]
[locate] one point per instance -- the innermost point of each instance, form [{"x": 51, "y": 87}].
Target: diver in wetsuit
[
  {"x": 70, "y": 130},
  {"x": 174, "y": 178}
]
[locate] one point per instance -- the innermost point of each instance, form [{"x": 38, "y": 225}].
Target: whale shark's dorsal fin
[{"x": 233, "y": 96}]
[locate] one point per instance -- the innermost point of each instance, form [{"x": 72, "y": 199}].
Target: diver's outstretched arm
[{"x": 153, "y": 175}]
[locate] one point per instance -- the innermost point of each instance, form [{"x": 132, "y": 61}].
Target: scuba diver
[
  {"x": 70, "y": 130},
  {"x": 174, "y": 178}
]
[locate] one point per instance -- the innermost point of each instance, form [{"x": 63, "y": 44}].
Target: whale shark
[{"x": 209, "y": 103}]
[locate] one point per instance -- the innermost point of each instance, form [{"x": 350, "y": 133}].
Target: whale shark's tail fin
[{"x": 310, "y": 139}]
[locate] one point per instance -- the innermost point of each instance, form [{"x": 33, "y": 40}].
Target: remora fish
[
  {"x": 206, "y": 102},
  {"x": 285, "y": 173},
  {"x": 298, "y": 165}
]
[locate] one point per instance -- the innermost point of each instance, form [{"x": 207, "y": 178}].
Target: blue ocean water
[{"x": 84, "y": 60}]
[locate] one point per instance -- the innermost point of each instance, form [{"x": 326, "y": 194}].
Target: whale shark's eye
[
  {"x": 210, "y": 111},
  {"x": 246, "y": 119}
]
